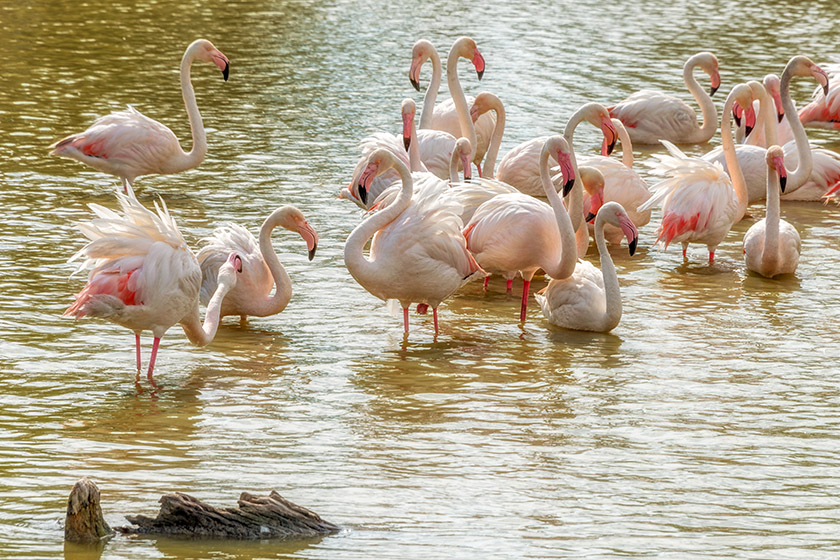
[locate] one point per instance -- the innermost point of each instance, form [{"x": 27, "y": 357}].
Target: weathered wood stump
[
  {"x": 257, "y": 517},
  {"x": 84, "y": 522}
]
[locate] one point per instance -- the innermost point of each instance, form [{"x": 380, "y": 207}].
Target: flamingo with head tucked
[
  {"x": 144, "y": 276},
  {"x": 129, "y": 144},
  {"x": 651, "y": 115}
]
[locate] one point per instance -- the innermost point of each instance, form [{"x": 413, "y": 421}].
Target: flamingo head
[
  {"x": 420, "y": 53},
  {"x": 614, "y": 214},
  {"x": 610, "y": 133},
  {"x": 709, "y": 63},
  {"x": 464, "y": 150},
  {"x": 774, "y": 87},
  {"x": 465, "y": 47},
  {"x": 377, "y": 163},
  {"x": 804, "y": 66},
  {"x": 408, "y": 110},
  {"x": 484, "y": 102},
  {"x": 593, "y": 184},
  {"x": 821, "y": 77},
  {"x": 293, "y": 219},
  {"x": 741, "y": 97},
  {"x": 205, "y": 51},
  {"x": 559, "y": 146},
  {"x": 230, "y": 270},
  {"x": 776, "y": 161},
  {"x": 737, "y": 113}
]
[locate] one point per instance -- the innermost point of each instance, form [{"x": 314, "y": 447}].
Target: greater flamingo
[
  {"x": 417, "y": 253},
  {"x": 824, "y": 109},
  {"x": 144, "y": 276},
  {"x": 449, "y": 115},
  {"x": 129, "y": 144},
  {"x": 772, "y": 246},
  {"x": 590, "y": 299},
  {"x": 700, "y": 203},
  {"x": 261, "y": 269},
  {"x": 513, "y": 233},
  {"x": 652, "y": 115}
]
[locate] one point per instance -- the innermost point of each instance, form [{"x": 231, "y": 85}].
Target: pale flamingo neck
[
  {"x": 565, "y": 267},
  {"x": 201, "y": 334},
  {"x": 459, "y": 99},
  {"x": 362, "y": 269},
  {"x": 626, "y": 144},
  {"x": 707, "y": 106},
  {"x": 576, "y": 200},
  {"x": 797, "y": 177},
  {"x": 770, "y": 253},
  {"x": 282, "y": 282},
  {"x": 414, "y": 150},
  {"x": 489, "y": 168},
  {"x": 612, "y": 291},
  {"x": 431, "y": 92},
  {"x": 766, "y": 118},
  {"x": 454, "y": 161},
  {"x": 732, "y": 164},
  {"x": 199, "y": 137}
]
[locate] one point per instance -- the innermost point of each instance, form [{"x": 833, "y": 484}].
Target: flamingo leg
[
  {"x": 685, "y": 249},
  {"x": 434, "y": 314},
  {"x": 405, "y": 319},
  {"x": 509, "y": 285},
  {"x": 478, "y": 165},
  {"x": 137, "y": 349},
  {"x": 526, "y": 285},
  {"x": 711, "y": 257},
  {"x": 155, "y": 346},
  {"x": 486, "y": 281}
]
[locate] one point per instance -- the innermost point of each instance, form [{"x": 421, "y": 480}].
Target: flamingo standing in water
[
  {"x": 261, "y": 269},
  {"x": 590, "y": 299},
  {"x": 144, "y": 276},
  {"x": 651, "y": 115},
  {"x": 129, "y": 144},
  {"x": 513, "y": 233},
  {"x": 772, "y": 246},
  {"x": 417, "y": 253}
]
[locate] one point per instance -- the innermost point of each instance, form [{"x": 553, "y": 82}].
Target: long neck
[
  {"x": 707, "y": 106},
  {"x": 282, "y": 282},
  {"x": 454, "y": 160},
  {"x": 732, "y": 164},
  {"x": 201, "y": 334},
  {"x": 460, "y": 100},
  {"x": 611, "y": 289},
  {"x": 199, "y": 138},
  {"x": 565, "y": 267},
  {"x": 414, "y": 150},
  {"x": 489, "y": 168},
  {"x": 576, "y": 202},
  {"x": 360, "y": 267},
  {"x": 795, "y": 178},
  {"x": 626, "y": 144},
  {"x": 766, "y": 115},
  {"x": 770, "y": 255},
  {"x": 431, "y": 92}
]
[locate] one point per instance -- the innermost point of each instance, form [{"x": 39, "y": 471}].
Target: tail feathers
[{"x": 57, "y": 147}]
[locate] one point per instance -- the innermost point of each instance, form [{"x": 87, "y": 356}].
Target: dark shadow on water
[{"x": 186, "y": 548}]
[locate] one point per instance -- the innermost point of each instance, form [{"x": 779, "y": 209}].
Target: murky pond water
[{"x": 705, "y": 425}]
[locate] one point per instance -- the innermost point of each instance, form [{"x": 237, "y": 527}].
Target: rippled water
[{"x": 705, "y": 425}]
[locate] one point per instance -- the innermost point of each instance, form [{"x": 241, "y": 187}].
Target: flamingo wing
[
  {"x": 650, "y": 115},
  {"x": 577, "y": 301},
  {"x": 215, "y": 252}
]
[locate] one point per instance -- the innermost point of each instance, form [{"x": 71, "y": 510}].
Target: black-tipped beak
[
  {"x": 611, "y": 147},
  {"x": 415, "y": 83},
  {"x": 781, "y": 116},
  {"x": 590, "y": 216},
  {"x": 312, "y": 252},
  {"x": 226, "y": 71},
  {"x": 632, "y": 245},
  {"x": 567, "y": 186},
  {"x": 825, "y": 89},
  {"x": 712, "y": 91},
  {"x": 363, "y": 194},
  {"x": 737, "y": 119},
  {"x": 407, "y": 142},
  {"x": 783, "y": 183},
  {"x": 747, "y": 130},
  {"x": 481, "y": 74}
]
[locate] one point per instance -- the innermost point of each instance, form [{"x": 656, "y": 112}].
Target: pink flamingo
[
  {"x": 129, "y": 144},
  {"x": 590, "y": 299},
  {"x": 261, "y": 269},
  {"x": 144, "y": 276},
  {"x": 417, "y": 253},
  {"x": 513, "y": 233},
  {"x": 651, "y": 115},
  {"x": 824, "y": 109}
]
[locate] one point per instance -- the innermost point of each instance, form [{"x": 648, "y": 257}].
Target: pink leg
[
  {"x": 434, "y": 314},
  {"x": 486, "y": 281},
  {"x": 155, "y": 345},
  {"x": 526, "y": 285},
  {"x": 478, "y": 165},
  {"x": 137, "y": 350},
  {"x": 509, "y": 285},
  {"x": 684, "y": 255},
  {"x": 711, "y": 257},
  {"x": 405, "y": 318}
]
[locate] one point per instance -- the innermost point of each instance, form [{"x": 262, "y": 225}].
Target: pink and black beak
[
  {"x": 715, "y": 82},
  {"x": 821, "y": 77},
  {"x": 779, "y": 164},
  {"x": 610, "y": 136},
  {"x": 630, "y": 232},
  {"x": 568, "y": 172},
  {"x": 737, "y": 112},
  {"x": 236, "y": 261},
  {"x": 777, "y": 101},
  {"x": 308, "y": 233},
  {"x": 478, "y": 62},
  {"x": 408, "y": 123},
  {"x": 222, "y": 62},
  {"x": 749, "y": 120},
  {"x": 365, "y": 179},
  {"x": 595, "y": 202},
  {"x": 414, "y": 73}
]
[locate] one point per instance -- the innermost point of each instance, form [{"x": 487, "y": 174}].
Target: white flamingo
[
  {"x": 261, "y": 269},
  {"x": 417, "y": 253},
  {"x": 652, "y": 115},
  {"x": 129, "y": 144},
  {"x": 590, "y": 299},
  {"x": 772, "y": 245}
]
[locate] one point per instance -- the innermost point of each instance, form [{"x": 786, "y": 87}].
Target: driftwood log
[
  {"x": 84, "y": 522},
  {"x": 257, "y": 517}
]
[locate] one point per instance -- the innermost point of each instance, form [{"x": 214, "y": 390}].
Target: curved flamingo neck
[
  {"x": 489, "y": 168},
  {"x": 362, "y": 269},
  {"x": 432, "y": 91},
  {"x": 795, "y": 178},
  {"x": 565, "y": 267},
  {"x": 732, "y": 164},
  {"x": 576, "y": 200},
  {"x": 626, "y": 144},
  {"x": 282, "y": 282},
  {"x": 201, "y": 334},
  {"x": 195, "y": 156},
  {"x": 612, "y": 291},
  {"x": 458, "y": 97},
  {"x": 707, "y": 106}
]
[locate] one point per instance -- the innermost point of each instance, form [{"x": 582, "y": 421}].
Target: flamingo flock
[{"x": 431, "y": 225}]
